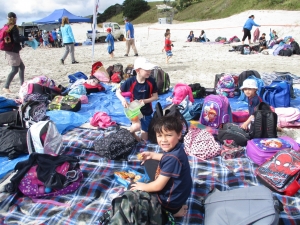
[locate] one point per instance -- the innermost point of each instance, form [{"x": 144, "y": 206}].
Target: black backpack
[
  {"x": 116, "y": 146},
  {"x": 231, "y": 131},
  {"x": 172, "y": 110},
  {"x": 162, "y": 80},
  {"x": 265, "y": 122},
  {"x": 295, "y": 47},
  {"x": 286, "y": 52},
  {"x": 245, "y": 74},
  {"x": 197, "y": 90}
]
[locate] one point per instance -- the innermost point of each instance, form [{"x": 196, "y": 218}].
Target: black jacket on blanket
[{"x": 45, "y": 170}]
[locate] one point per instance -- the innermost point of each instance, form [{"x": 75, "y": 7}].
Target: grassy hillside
[{"x": 213, "y": 9}]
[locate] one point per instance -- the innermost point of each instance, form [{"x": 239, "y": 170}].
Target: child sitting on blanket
[
  {"x": 172, "y": 180},
  {"x": 249, "y": 88},
  {"x": 142, "y": 88}
]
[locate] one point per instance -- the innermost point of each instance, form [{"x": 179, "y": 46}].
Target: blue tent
[{"x": 58, "y": 14}]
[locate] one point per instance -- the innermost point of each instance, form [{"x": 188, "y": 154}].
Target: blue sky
[{"x": 31, "y": 10}]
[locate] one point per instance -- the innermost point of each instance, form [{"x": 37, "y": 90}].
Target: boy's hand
[
  {"x": 244, "y": 126},
  {"x": 137, "y": 186},
  {"x": 145, "y": 156},
  {"x": 125, "y": 103}
]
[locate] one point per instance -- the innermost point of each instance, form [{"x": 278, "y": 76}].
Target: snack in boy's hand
[
  {"x": 139, "y": 156},
  {"x": 136, "y": 178}
]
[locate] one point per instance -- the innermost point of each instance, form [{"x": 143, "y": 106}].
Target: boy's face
[
  {"x": 249, "y": 92},
  {"x": 168, "y": 36},
  {"x": 167, "y": 140},
  {"x": 143, "y": 73}
]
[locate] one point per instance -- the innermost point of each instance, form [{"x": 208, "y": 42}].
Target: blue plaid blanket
[{"x": 99, "y": 187}]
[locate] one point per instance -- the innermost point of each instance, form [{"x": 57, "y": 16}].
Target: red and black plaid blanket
[{"x": 98, "y": 188}]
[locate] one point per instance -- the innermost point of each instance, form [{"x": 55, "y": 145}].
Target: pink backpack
[
  {"x": 216, "y": 111},
  {"x": 261, "y": 149},
  {"x": 201, "y": 144},
  {"x": 31, "y": 186},
  {"x": 180, "y": 92},
  {"x": 288, "y": 117}
]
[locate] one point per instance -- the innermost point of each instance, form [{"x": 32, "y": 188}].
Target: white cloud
[{"x": 28, "y": 11}]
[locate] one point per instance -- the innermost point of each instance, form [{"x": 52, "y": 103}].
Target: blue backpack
[
  {"x": 277, "y": 94},
  {"x": 77, "y": 76}
]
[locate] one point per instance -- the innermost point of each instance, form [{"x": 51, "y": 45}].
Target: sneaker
[
  {"x": 136, "y": 55},
  {"x": 74, "y": 62},
  {"x": 6, "y": 90},
  {"x": 62, "y": 62},
  {"x": 126, "y": 55}
]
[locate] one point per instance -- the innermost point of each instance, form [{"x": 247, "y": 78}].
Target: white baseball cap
[
  {"x": 249, "y": 83},
  {"x": 143, "y": 63}
]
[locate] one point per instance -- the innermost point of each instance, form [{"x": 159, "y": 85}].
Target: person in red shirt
[{"x": 168, "y": 47}]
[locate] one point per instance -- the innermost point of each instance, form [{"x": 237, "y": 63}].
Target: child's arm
[
  {"x": 153, "y": 186},
  {"x": 154, "y": 97},
  {"x": 247, "y": 122},
  {"x": 122, "y": 99},
  {"x": 151, "y": 155}
]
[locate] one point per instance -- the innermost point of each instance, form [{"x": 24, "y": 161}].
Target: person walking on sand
[
  {"x": 129, "y": 32},
  {"x": 13, "y": 57},
  {"x": 111, "y": 43},
  {"x": 168, "y": 47},
  {"x": 247, "y": 29},
  {"x": 68, "y": 40}
]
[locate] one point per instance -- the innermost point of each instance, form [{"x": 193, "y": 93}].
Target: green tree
[{"x": 134, "y": 8}]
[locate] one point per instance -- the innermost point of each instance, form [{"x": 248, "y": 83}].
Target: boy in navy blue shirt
[
  {"x": 142, "y": 88},
  {"x": 172, "y": 181},
  {"x": 249, "y": 88}
]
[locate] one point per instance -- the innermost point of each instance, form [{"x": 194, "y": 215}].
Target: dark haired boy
[
  {"x": 168, "y": 47},
  {"x": 172, "y": 181}
]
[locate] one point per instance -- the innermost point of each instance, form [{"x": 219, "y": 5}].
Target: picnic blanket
[{"x": 98, "y": 188}]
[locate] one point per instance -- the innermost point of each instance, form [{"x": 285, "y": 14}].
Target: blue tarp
[{"x": 58, "y": 14}]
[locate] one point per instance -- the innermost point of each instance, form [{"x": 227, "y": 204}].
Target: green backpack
[{"x": 136, "y": 208}]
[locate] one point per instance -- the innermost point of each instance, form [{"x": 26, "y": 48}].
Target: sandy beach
[{"x": 192, "y": 61}]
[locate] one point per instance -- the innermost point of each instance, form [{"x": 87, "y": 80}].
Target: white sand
[{"x": 192, "y": 62}]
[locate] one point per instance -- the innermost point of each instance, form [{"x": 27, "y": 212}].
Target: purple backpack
[
  {"x": 216, "y": 111},
  {"x": 261, "y": 149},
  {"x": 31, "y": 186}
]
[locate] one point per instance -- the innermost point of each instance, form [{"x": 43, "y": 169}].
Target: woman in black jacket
[{"x": 13, "y": 57}]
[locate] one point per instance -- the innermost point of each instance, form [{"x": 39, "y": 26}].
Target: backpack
[
  {"x": 225, "y": 86},
  {"x": 136, "y": 208},
  {"x": 277, "y": 94},
  {"x": 171, "y": 110},
  {"x": 180, "y": 92},
  {"x": 288, "y": 117},
  {"x": 116, "y": 145},
  {"x": 31, "y": 112},
  {"x": 286, "y": 52},
  {"x": 261, "y": 149},
  {"x": 295, "y": 47},
  {"x": 231, "y": 131},
  {"x": 245, "y": 74},
  {"x": 129, "y": 71},
  {"x": 286, "y": 76},
  {"x": 265, "y": 122},
  {"x": 76, "y": 76},
  {"x": 162, "y": 80},
  {"x": 201, "y": 144},
  {"x": 216, "y": 110},
  {"x": 197, "y": 90},
  {"x": 67, "y": 102},
  {"x": 43, "y": 137},
  {"x": 246, "y": 50},
  {"x": 96, "y": 66},
  {"x": 5, "y": 39},
  {"x": 118, "y": 67},
  {"x": 255, "y": 204},
  {"x": 58, "y": 175},
  {"x": 116, "y": 77},
  {"x": 281, "y": 173}
]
